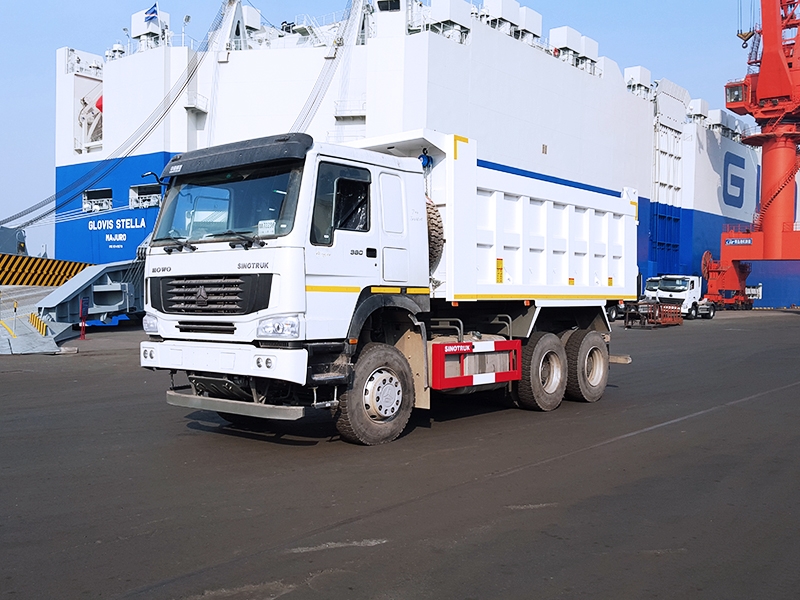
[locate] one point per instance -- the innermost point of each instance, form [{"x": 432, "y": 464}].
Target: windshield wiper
[
  {"x": 177, "y": 244},
  {"x": 247, "y": 240}
]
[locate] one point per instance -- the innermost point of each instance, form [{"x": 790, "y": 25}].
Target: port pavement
[
  {"x": 17, "y": 335},
  {"x": 682, "y": 482}
]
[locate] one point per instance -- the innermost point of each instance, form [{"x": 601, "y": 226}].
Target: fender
[{"x": 368, "y": 303}]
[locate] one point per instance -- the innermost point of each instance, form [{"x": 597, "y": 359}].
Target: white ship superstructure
[{"x": 541, "y": 105}]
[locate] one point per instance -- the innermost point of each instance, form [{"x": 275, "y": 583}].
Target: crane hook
[{"x": 745, "y": 37}]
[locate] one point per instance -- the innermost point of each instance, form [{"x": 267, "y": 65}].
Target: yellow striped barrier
[
  {"x": 16, "y": 269},
  {"x": 40, "y": 325}
]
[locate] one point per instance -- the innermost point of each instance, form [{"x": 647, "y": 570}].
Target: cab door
[{"x": 343, "y": 256}]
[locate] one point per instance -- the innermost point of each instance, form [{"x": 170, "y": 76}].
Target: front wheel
[
  {"x": 377, "y": 405},
  {"x": 692, "y": 314},
  {"x": 587, "y": 359}
]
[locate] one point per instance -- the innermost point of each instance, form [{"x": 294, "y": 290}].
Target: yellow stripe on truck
[
  {"x": 537, "y": 297},
  {"x": 335, "y": 289}
]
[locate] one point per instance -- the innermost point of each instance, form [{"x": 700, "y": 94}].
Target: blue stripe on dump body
[{"x": 548, "y": 178}]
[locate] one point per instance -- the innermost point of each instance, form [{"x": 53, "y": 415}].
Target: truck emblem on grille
[{"x": 202, "y": 297}]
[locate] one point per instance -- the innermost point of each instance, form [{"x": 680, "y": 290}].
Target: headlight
[
  {"x": 150, "y": 324},
  {"x": 280, "y": 327}
]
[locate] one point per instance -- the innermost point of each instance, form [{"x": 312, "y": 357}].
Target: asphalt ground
[{"x": 682, "y": 482}]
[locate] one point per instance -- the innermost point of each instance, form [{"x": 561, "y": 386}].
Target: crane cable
[
  {"x": 343, "y": 41},
  {"x": 107, "y": 165},
  {"x": 746, "y": 35}
]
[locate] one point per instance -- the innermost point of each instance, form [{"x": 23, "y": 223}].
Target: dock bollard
[{"x": 38, "y": 324}]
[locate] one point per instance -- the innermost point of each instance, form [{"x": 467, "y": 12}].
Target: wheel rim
[
  {"x": 550, "y": 372},
  {"x": 383, "y": 394},
  {"x": 594, "y": 367}
]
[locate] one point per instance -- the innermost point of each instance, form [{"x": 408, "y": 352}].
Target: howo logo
[{"x": 202, "y": 297}]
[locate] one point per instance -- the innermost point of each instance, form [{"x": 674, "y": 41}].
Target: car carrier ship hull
[{"x": 543, "y": 105}]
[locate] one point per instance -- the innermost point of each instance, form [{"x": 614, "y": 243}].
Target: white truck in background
[
  {"x": 286, "y": 276},
  {"x": 685, "y": 290},
  {"x": 651, "y": 288}
]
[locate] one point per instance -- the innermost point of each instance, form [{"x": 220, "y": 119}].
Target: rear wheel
[
  {"x": 544, "y": 373},
  {"x": 712, "y": 310},
  {"x": 587, "y": 360},
  {"x": 376, "y": 407}
]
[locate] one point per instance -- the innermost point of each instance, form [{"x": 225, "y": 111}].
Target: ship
[{"x": 547, "y": 107}]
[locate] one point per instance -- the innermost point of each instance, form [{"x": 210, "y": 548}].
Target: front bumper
[
  {"x": 187, "y": 399},
  {"x": 231, "y": 359}
]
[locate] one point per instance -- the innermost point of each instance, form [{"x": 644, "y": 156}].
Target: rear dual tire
[
  {"x": 574, "y": 366},
  {"x": 544, "y": 373},
  {"x": 587, "y": 360}
]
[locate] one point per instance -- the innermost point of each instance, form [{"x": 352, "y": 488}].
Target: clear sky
[{"x": 692, "y": 42}]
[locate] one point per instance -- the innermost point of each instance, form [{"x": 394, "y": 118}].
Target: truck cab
[
  {"x": 685, "y": 290},
  {"x": 651, "y": 288}
]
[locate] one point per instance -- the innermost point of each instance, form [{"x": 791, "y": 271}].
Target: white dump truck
[
  {"x": 685, "y": 290},
  {"x": 286, "y": 276}
]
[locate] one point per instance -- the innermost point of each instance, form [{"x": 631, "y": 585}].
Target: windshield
[
  {"x": 651, "y": 285},
  {"x": 673, "y": 285},
  {"x": 258, "y": 201}
]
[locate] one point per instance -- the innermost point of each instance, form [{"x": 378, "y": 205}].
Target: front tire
[
  {"x": 544, "y": 373},
  {"x": 377, "y": 405},
  {"x": 587, "y": 359},
  {"x": 692, "y": 314}
]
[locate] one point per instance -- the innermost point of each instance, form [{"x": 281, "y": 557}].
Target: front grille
[
  {"x": 211, "y": 294},
  {"x": 206, "y": 327},
  {"x": 205, "y": 295},
  {"x": 673, "y": 301}
]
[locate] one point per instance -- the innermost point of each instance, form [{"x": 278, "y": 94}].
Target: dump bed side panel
[{"x": 514, "y": 234}]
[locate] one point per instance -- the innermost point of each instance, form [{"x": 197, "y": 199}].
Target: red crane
[{"x": 771, "y": 94}]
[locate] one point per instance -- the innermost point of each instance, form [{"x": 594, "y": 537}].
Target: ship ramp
[{"x": 99, "y": 292}]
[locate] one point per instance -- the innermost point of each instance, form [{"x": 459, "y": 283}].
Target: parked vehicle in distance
[
  {"x": 615, "y": 309},
  {"x": 651, "y": 288},
  {"x": 685, "y": 290}
]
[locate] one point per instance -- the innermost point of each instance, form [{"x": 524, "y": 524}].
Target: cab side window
[{"x": 341, "y": 202}]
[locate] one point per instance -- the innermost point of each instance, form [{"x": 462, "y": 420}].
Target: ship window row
[{"x": 139, "y": 196}]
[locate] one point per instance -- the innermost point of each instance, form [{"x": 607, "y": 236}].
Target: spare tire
[{"x": 435, "y": 236}]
